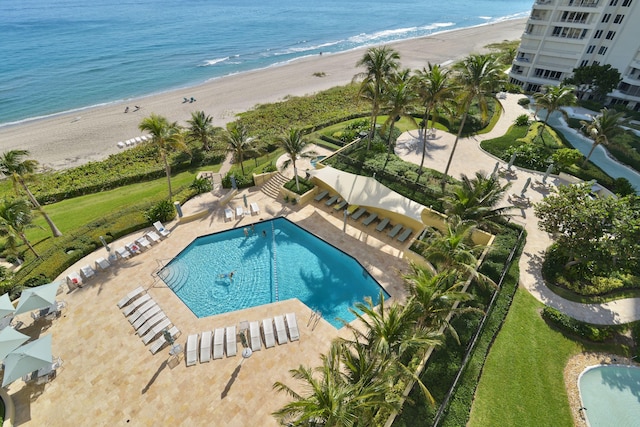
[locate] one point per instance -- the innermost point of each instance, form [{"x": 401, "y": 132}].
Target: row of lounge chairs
[
  {"x": 211, "y": 339},
  {"x": 144, "y": 242},
  {"x": 77, "y": 279},
  {"x": 147, "y": 318},
  {"x": 230, "y": 214},
  {"x": 286, "y": 328},
  {"x": 134, "y": 141}
]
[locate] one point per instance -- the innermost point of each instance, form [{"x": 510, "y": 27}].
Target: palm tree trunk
[
  {"x": 167, "y": 170},
  {"x": 241, "y": 159},
  {"x": 372, "y": 131},
  {"x": 26, "y": 242},
  {"x": 453, "y": 150},
  {"x": 544, "y": 124},
  {"x": 389, "y": 145},
  {"x": 54, "y": 230},
  {"x": 425, "y": 121},
  {"x": 295, "y": 173},
  {"x": 586, "y": 160}
]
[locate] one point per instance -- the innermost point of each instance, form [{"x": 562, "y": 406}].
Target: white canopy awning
[{"x": 366, "y": 191}]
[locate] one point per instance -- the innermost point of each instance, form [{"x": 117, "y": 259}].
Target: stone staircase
[{"x": 272, "y": 187}]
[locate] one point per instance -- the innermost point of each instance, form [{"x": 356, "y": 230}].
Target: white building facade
[{"x": 565, "y": 34}]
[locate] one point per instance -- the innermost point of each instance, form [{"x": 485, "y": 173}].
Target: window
[
  {"x": 618, "y": 19},
  {"x": 613, "y": 2},
  {"x": 584, "y": 63},
  {"x": 547, "y": 74},
  {"x": 591, "y": 48},
  {"x": 606, "y": 17},
  {"x": 610, "y": 35},
  {"x": 602, "y": 50},
  {"x": 626, "y": 3},
  {"x": 597, "y": 34}
]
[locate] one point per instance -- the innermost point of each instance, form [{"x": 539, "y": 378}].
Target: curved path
[{"x": 470, "y": 158}]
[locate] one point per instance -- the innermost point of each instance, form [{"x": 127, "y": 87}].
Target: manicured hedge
[{"x": 576, "y": 327}]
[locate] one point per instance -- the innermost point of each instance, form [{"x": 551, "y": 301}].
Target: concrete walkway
[{"x": 470, "y": 158}]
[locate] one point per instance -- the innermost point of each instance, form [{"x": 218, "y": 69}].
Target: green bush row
[
  {"x": 576, "y": 327},
  {"x": 304, "y": 185}
]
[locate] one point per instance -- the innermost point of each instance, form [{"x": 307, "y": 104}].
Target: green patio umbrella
[
  {"x": 6, "y": 306},
  {"x": 28, "y": 358},
  {"x": 38, "y": 297},
  {"x": 10, "y": 339}
]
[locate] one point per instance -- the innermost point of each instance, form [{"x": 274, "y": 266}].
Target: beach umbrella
[
  {"x": 10, "y": 339},
  {"x": 526, "y": 185},
  {"x": 6, "y": 306},
  {"x": 511, "y": 160},
  {"x": 547, "y": 173},
  {"x": 28, "y": 358},
  {"x": 244, "y": 198},
  {"x": 38, "y": 297}
]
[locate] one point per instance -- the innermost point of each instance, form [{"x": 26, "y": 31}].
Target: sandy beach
[{"x": 72, "y": 139}]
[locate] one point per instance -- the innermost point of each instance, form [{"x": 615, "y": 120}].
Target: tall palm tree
[
  {"x": 398, "y": 102},
  {"x": 201, "y": 129},
  {"x": 165, "y": 136},
  {"x": 553, "y": 98},
  {"x": 15, "y": 218},
  {"x": 477, "y": 76},
  {"x": 239, "y": 143},
  {"x": 603, "y": 127},
  {"x": 294, "y": 144},
  {"x": 380, "y": 64},
  {"x": 12, "y": 166},
  {"x": 435, "y": 89}
]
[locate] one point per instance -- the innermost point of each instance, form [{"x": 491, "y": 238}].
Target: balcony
[{"x": 583, "y": 3}]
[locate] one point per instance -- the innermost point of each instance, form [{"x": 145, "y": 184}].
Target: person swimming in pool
[{"x": 228, "y": 275}]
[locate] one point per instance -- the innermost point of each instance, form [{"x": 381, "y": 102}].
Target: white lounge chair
[
  {"x": 232, "y": 344},
  {"x": 133, "y": 247},
  {"x": 138, "y": 140},
  {"x": 292, "y": 326},
  {"x": 281, "y": 332},
  {"x": 191, "y": 351},
  {"x": 102, "y": 264},
  {"x": 135, "y": 304},
  {"x": 254, "y": 336},
  {"x": 255, "y": 209},
  {"x": 267, "y": 330},
  {"x": 150, "y": 335},
  {"x": 148, "y": 313},
  {"x": 74, "y": 280},
  {"x": 87, "y": 272},
  {"x": 218, "y": 343},
  {"x": 123, "y": 253},
  {"x": 144, "y": 242},
  {"x": 146, "y": 326},
  {"x": 160, "y": 229},
  {"x": 161, "y": 341},
  {"x": 228, "y": 214},
  {"x": 239, "y": 212},
  {"x": 130, "y": 296},
  {"x": 142, "y": 309},
  {"x": 121, "y": 144},
  {"x": 153, "y": 236},
  {"x": 205, "y": 347}
]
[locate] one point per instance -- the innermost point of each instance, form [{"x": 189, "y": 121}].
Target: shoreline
[{"x": 87, "y": 134}]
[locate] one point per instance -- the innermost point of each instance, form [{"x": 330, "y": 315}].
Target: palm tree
[
  {"x": 380, "y": 64},
  {"x": 603, "y": 127},
  {"x": 11, "y": 165},
  {"x": 15, "y": 218},
  {"x": 294, "y": 145},
  {"x": 553, "y": 98},
  {"x": 478, "y": 76},
  {"x": 434, "y": 89},
  {"x": 165, "y": 137},
  {"x": 399, "y": 99},
  {"x": 239, "y": 143},
  {"x": 201, "y": 128}
]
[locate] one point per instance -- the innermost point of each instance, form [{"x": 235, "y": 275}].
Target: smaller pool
[
  {"x": 317, "y": 159},
  {"x": 611, "y": 395}
]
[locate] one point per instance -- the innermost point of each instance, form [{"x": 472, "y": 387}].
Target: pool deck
[{"x": 109, "y": 377}]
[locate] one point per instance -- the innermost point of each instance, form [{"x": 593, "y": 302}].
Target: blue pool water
[
  {"x": 611, "y": 395},
  {"x": 275, "y": 262}
]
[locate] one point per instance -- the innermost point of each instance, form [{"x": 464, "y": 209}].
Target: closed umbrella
[
  {"x": 38, "y": 297},
  {"x": 6, "y": 306},
  {"x": 511, "y": 160},
  {"x": 526, "y": 185},
  {"x": 547, "y": 173},
  {"x": 495, "y": 169},
  {"x": 28, "y": 358},
  {"x": 244, "y": 198},
  {"x": 10, "y": 339}
]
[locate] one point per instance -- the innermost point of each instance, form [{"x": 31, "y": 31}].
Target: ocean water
[{"x": 64, "y": 55}]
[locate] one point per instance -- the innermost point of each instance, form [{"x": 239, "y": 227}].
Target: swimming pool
[
  {"x": 273, "y": 261},
  {"x": 611, "y": 395}
]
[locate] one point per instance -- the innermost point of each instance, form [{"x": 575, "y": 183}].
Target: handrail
[{"x": 275, "y": 271}]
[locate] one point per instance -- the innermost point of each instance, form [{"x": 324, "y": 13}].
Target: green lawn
[{"x": 522, "y": 382}]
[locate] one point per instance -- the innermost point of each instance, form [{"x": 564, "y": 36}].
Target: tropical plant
[
  {"x": 19, "y": 171},
  {"x": 15, "y": 219},
  {"x": 601, "y": 129},
  {"x": 553, "y": 98},
  {"x": 201, "y": 129},
  {"x": 165, "y": 137},
  {"x": 162, "y": 211},
  {"x": 239, "y": 143},
  {"x": 522, "y": 120},
  {"x": 398, "y": 103},
  {"x": 477, "y": 77},
  {"x": 380, "y": 63},
  {"x": 294, "y": 144},
  {"x": 201, "y": 185}
]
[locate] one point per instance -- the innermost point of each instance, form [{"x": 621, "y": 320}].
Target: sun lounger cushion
[
  {"x": 133, "y": 247},
  {"x": 331, "y": 200},
  {"x": 406, "y": 233},
  {"x": 142, "y": 309},
  {"x": 160, "y": 229},
  {"x": 144, "y": 313},
  {"x": 254, "y": 336},
  {"x": 87, "y": 271},
  {"x": 267, "y": 330},
  {"x": 74, "y": 280},
  {"x": 130, "y": 296},
  {"x": 368, "y": 220},
  {"x": 281, "y": 332},
  {"x": 239, "y": 212},
  {"x": 205, "y": 347},
  {"x": 228, "y": 214},
  {"x": 122, "y": 252},
  {"x": 135, "y": 304},
  {"x": 153, "y": 236},
  {"x": 218, "y": 343},
  {"x": 255, "y": 209},
  {"x": 340, "y": 205},
  {"x": 321, "y": 195},
  {"x": 357, "y": 214},
  {"x": 158, "y": 328},
  {"x": 191, "y": 356},
  {"x": 232, "y": 344},
  {"x": 102, "y": 263},
  {"x": 292, "y": 326},
  {"x": 144, "y": 242},
  {"x": 383, "y": 224},
  {"x": 146, "y": 326},
  {"x": 395, "y": 230}
]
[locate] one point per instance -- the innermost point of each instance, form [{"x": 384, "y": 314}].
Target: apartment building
[{"x": 561, "y": 35}]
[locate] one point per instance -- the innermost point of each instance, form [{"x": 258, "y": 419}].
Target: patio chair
[
  {"x": 218, "y": 343},
  {"x": 144, "y": 242},
  {"x": 123, "y": 253},
  {"x": 321, "y": 195},
  {"x": 228, "y": 215},
  {"x": 358, "y": 213},
  {"x": 102, "y": 264},
  {"x": 383, "y": 224},
  {"x": 368, "y": 220},
  {"x": 292, "y": 326},
  {"x": 133, "y": 247},
  {"x": 74, "y": 280},
  {"x": 140, "y": 310},
  {"x": 146, "y": 326},
  {"x": 149, "y": 336},
  {"x": 332, "y": 200},
  {"x": 191, "y": 356},
  {"x": 160, "y": 229},
  {"x": 254, "y": 336},
  {"x": 255, "y": 209},
  {"x": 161, "y": 341},
  {"x": 340, "y": 205},
  {"x": 281, "y": 332},
  {"x": 232, "y": 345},
  {"x": 135, "y": 304},
  {"x": 87, "y": 272},
  {"x": 130, "y": 296},
  {"x": 395, "y": 230},
  {"x": 239, "y": 212},
  {"x": 405, "y": 234},
  {"x": 153, "y": 236},
  {"x": 205, "y": 347},
  {"x": 267, "y": 331},
  {"x": 144, "y": 313}
]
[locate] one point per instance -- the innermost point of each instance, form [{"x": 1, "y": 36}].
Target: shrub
[
  {"x": 524, "y": 102},
  {"x": 304, "y": 185},
  {"x": 269, "y": 168},
  {"x": 163, "y": 211},
  {"x": 242, "y": 181},
  {"x": 576, "y": 327},
  {"x": 201, "y": 185},
  {"x": 522, "y": 120}
]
